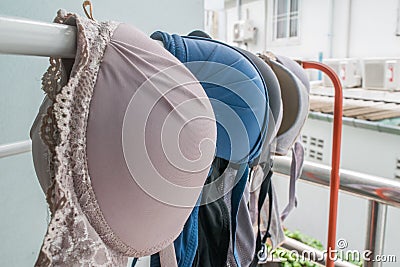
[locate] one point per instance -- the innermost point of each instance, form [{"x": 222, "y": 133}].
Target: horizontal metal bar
[
  {"x": 357, "y": 123},
  {"x": 28, "y": 37},
  {"x": 15, "y": 148},
  {"x": 292, "y": 244},
  {"x": 34, "y": 38},
  {"x": 376, "y": 188}
]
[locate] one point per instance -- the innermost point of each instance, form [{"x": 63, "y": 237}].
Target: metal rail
[
  {"x": 15, "y": 148},
  {"x": 380, "y": 192},
  {"x": 26, "y": 37},
  {"x": 375, "y": 231},
  {"x": 383, "y": 190},
  {"x": 34, "y": 38}
]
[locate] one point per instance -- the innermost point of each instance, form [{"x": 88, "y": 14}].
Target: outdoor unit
[
  {"x": 392, "y": 74},
  {"x": 381, "y": 74},
  {"x": 347, "y": 69},
  {"x": 243, "y": 30}
]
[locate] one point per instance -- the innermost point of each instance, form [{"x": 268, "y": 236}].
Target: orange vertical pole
[{"x": 336, "y": 146}]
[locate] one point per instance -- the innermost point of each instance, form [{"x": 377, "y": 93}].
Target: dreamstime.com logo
[{"x": 341, "y": 253}]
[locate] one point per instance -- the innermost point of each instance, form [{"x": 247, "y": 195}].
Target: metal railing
[
  {"x": 380, "y": 192},
  {"x": 11, "y": 149},
  {"x": 44, "y": 39}
]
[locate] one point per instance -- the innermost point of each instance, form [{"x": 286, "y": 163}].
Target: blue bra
[{"x": 239, "y": 98}]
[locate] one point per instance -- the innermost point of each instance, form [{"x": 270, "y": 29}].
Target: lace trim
[
  {"x": 71, "y": 239},
  {"x": 78, "y": 233}
]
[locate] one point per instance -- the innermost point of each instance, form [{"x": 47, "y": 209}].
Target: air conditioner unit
[
  {"x": 392, "y": 75},
  {"x": 381, "y": 74},
  {"x": 243, "y": 31},
  {"x": 347, "y": 69}
]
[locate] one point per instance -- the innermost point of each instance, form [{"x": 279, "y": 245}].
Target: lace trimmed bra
[{"x": 122, "y": 146}]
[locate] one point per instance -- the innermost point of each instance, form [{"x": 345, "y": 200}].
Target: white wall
[
  {"x": 231, "y": 17},
  {"x": 22, "y": 204},
  {"x": 340, "y": 27},
  {"x": 218, "y": 7},
  {"x": 256, "y": 12},
  {"x": 373, "y": 27},
  {"x": 314, "y": 31},
  {"x": 314, "y": 36}
]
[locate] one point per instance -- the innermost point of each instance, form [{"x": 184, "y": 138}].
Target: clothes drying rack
[{"x": 27, "y": 37}]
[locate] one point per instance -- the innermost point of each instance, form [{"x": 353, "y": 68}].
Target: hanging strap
[
  {"x": 90, "y": 13},
  {"x": 237, "y": 194},
  {"x": 295, "y": 172},
  {"x": 168, "y": 257},
  {"x": 260, "y": 251}
]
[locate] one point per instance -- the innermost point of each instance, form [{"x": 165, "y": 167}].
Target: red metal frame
[{"x": 336, "y": 146}]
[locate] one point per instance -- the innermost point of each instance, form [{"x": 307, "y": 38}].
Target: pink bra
[{"x": 122, "y": 145}]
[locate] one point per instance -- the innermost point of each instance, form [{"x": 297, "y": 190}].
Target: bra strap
[
  {"x": 295, "y": 172},
  {"x": 168, "y": 257}
]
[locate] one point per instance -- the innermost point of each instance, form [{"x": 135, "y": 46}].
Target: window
[{"x": 286, "y": 19}]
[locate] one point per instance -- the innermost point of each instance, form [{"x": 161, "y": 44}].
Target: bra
[{"x": 122, "y": 145}]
